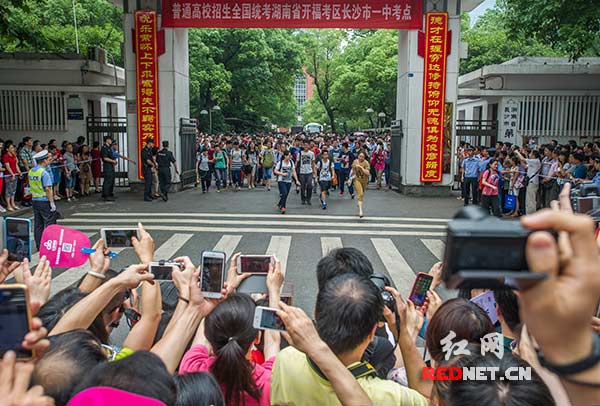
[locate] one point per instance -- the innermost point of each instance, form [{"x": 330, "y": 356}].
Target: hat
[
  {"x": 43, "y": 154},
  {"x": 149, "y": 141},
  {"x": 491, "y": 150},
  {"x": 470, "y": 148},
  {"x": 596, "y": 158}
]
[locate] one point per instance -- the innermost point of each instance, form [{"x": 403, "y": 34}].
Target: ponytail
[{"x": 230, "y": 332}]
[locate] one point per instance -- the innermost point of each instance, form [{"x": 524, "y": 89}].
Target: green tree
[
  {"x": 491, "y": 41},
  {"x": 47, "y": 26},
  {"x": 568, "y": 26}
]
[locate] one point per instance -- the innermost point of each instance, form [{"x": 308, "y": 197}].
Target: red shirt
[{"x": 10, "y": 160}]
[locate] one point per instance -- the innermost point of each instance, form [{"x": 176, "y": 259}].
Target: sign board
[
  {"x": 434, "y": 96},
  {"x": 146, "y": 63},
  {"x": 364, "y": 14},
  {"x": 510, "y": 119},
  {"x": 75, "y": 114}
]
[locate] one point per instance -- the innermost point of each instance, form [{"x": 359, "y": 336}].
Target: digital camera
[
  {"x": 585, "y": 199},
  {"x": 485, "y": 252},
  {"x": 381, "y": 281}
]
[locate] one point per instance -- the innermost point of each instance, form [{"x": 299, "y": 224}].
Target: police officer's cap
[{"x": 43, "y": 154}]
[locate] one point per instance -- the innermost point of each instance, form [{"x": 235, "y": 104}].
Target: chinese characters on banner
[
  {"x": 434, "y": 96},
  {"x": 146, "y": 60},
  {"x": 369, "y": 14}
]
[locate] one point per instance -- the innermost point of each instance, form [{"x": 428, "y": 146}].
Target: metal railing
[{"x": 187, "y": 135}]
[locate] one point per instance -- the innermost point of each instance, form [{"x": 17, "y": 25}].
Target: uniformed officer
[
  {"x": 148, "y": 168},
  {"x": 470, "y": 174},
  {"x": 164, "y": 159},
  {"x": 108, "y": 169},
  {"x": 40, "y": 186}
]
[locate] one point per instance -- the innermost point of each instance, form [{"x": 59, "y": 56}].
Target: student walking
[
  {"x": 326, "y": 173},
  {"x": 285, "y": 171},
  {"x": 489, "y": 194},
  {"x": 360, "y": 174},
  {"x": 308, "y": 172}
]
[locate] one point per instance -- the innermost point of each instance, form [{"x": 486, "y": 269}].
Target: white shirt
[{"x": 533, "y": 168}]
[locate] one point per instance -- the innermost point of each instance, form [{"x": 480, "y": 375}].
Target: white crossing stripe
[
  {"x": 228, "y": 244},
  {"x": 274, "y": 230},
  {"x": 72, "y": 275},
  {"x": 436, "y": 247},
  {"x": 399, "y": 270},
  {"x": 280, "y": 247},
  {"x": 171, "y": 246},
  {"x": 267, "y": 216},
  {"x": 264, "y": 223},
  {"x": 328, "y": 244}
]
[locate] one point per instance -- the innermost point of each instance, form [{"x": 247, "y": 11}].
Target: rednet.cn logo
[{"x": 492, "y": 343}]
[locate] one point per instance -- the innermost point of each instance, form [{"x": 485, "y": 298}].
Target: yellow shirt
[{"x": 295, "y": 383}]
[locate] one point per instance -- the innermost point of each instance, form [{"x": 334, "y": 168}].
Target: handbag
[
  {"x": 510, "y": 201},
  {"x": 527, "y": 179}
]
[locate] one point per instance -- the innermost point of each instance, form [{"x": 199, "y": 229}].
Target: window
[{"x": 25, "y": 110}]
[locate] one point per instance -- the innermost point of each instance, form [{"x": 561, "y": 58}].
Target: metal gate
[
  {"x": 396, "y": 134},
  {"x": 116, "y": 127},
  {"x": 187, "y": 135}
]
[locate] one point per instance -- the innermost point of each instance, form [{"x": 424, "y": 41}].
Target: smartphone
[
  {"x": 118, "y": 237},
  {"x": 266, "y": 318},
  {"x": 213, "y": 273},
  {"x": 255, "y": 264},
  {"x": 162, "y": 270},
  {"x": 287, "y": 293},
  {"x": 17, "y": 237},
  {"x": 419, "y": 290},
  {"x": 15, "y": 320}
]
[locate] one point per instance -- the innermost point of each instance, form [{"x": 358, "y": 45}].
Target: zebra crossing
[{"x": 397, "y": 246}]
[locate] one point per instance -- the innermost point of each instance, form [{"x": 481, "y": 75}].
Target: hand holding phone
[
  {"x": 163, "y": 270},
  {"x": 212, "y": 277},
  {"x": 254, "y": 264},
  {"x": 119, "y": 237},
  {"x": 419, "y": 290},
  {"x": 266, "y": 318},
  {"x": 15, "y": 320},
  {"x": 17, "y": 238}
]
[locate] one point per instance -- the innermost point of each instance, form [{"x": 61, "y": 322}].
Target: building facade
[
  {"x": 530, "y": 99},
  {"x": 303, "y": 91}
]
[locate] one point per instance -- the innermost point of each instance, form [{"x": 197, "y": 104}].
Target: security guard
[
  {"x": 147, "y": 169},
  {"x": 40, "y": 186},
  {"x": 164, "y": 159}
]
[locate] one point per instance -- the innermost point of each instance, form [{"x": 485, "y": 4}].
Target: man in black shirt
[
  {"x": 108, "y": 167},
  {"x": 164, "y": 159},
  {"x": 147, "y": 169}
]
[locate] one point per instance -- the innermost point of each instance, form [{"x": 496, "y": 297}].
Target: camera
[
  {"x": 585, "y": 199},
  {"x": 381, "y": 281},
  {"x": 485, "y": 252}
]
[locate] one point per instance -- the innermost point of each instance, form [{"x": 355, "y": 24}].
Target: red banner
[
  {"x": 434, "y": 96},
  {"x": 368, "y": 14},
  {"x": 146, "y": 67}
]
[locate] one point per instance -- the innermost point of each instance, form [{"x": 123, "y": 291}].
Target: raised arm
[
  {"x": 141, "y": 336},
  {"x": 274, "y": 282},
  {"x": 302, "y": 335},
  {"x": 99, "y": 264}
]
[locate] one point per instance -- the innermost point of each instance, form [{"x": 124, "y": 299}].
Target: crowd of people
[
  {"x": 185, "y": 349},
  {"x": 315, "y": 163},
  {"x": 514, "y": 180}
]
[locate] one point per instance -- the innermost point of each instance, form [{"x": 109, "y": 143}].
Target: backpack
[
  {"x": 268, "y": 160},
  {"x": 487, "y": 178}
]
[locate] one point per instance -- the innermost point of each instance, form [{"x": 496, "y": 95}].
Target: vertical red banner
[
  {"x": 146, "y": 67},
  {"x": 434, "y": 96}
]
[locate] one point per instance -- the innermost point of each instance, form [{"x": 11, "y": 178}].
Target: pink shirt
[
  {"x": 492, "y": 179},
  {"x": 197, "y": 359}
]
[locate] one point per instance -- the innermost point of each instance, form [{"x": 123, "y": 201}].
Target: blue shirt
[
  {"x": 596, "y": 179},
  {"x": 471, "y": 167},
  {"x": 335, "y": 157},
  {"x": 483, "y": 165},
  {"x": 47, "y": 181},
  {"x": 580, "y": 171}
]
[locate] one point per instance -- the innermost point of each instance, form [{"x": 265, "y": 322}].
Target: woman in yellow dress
[{"x": 360, "y": 174}]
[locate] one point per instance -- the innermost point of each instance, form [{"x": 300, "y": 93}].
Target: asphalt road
[{"x": 400, "y": 235}]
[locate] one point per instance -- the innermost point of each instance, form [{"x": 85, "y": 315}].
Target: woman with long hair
[
  {"x": 360, "y": 173},
  {"x": 228, "y": 330},
  {"x": 252, "y": 160}
]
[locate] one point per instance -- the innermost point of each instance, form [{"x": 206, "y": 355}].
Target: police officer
[
  {"x": 164, "y": 159},
  {"x": 470, "y": 174},
  {"x": 108, "y": 168},
  {"x": 40, "y": 186},
  {"x": 147, "y": 169}
]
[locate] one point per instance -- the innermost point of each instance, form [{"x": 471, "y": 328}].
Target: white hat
[{"x": 43, "y": 154}]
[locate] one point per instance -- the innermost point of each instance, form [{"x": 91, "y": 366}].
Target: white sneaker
[{"x": 2, "y": 209}]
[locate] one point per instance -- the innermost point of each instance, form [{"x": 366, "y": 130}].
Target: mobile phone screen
[
  {"x": 14, "y": 324},
  {"x": 271, "y": 320},
  {"x": 419, "y": 292},
  {"x": 17, "y": 239},
  {"x": 212, "y": 274},
  {"x": 255, "y": 264},
  {"x": 162, "y": 272},
  {"x": 119, "y": 238}
]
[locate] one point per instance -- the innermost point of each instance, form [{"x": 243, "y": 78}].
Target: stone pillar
[
  {"x": 409, "y": 99},
  {"x": 173, "y": 83}
]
